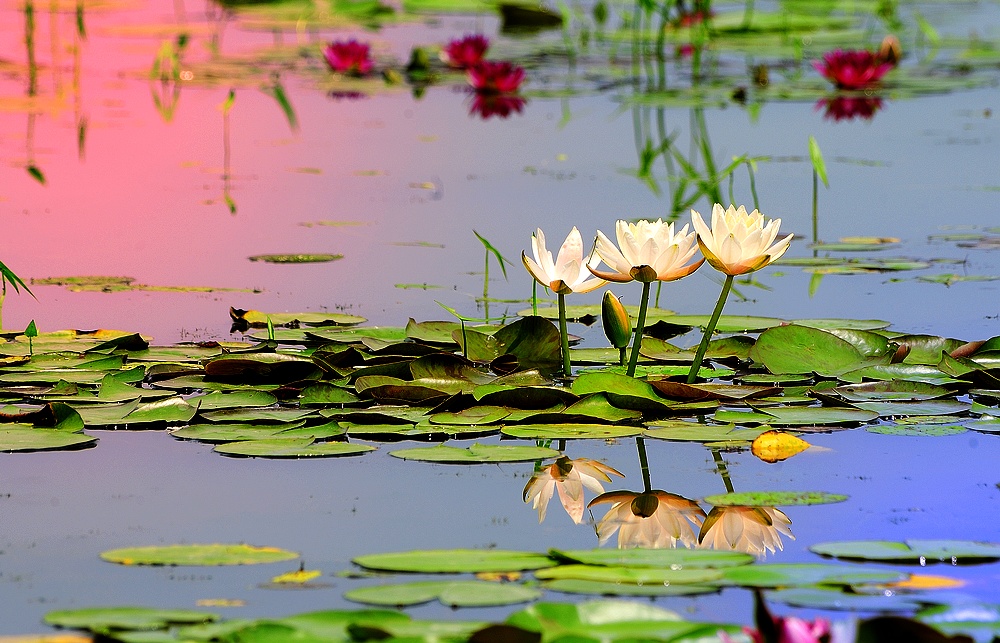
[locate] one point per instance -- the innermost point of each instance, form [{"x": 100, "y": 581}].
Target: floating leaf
[
  {"x": 774, "y": 498},
  {"x": 125, "y": 618},
  {"x": 801, "y": 349},
  {"x": 833, "y": 599},
  {"x": 775, "y": 446},
  {"x": 806, "y": 574},
  {"x": 452, "y": 594},
  {"x": 198, "y": 555},
  {"x": 298, "y": 577},
  {"x": 919, "y": 430},
  {"x": 801, "y": 416},
  {"x": 475, "y": 454},
  {"x": 916, "y": 551},
  {"x": 615, "y": 588},
  {"x": 657, "y": 558},
  {"x": 569, "y": 431},
  {"x": 299, "y": 258},
  {"x": 27, "y": 438},
  {"x": 279, "y": 447},
  {"x": 442, "y": 561}
]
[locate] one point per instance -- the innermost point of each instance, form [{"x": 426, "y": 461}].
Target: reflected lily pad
[
  {"x": 453, "y": 594},
  {"x": 198, "y": 555},
  {"x": 444, "y": 561}
]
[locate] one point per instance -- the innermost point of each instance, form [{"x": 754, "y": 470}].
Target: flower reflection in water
[
  {"x": 568, "y": 477},
  {"x": 487, "y": 106},
  {"x": 653, "y": 519},
  {"x": 489, "y": 77},
  {"x": 847, "y": 108},
  {"x": 754, "y": 530}
]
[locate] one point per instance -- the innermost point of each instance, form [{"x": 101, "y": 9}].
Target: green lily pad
[
  {"x": 569, "y": 431},
  {"x": 681, "y": 431},
  {"x": 450, "y": 593},
  {"x": 484, "y": 414},
  {"x": 613, "y": 588},
  {"x": 916, "y": 551},
  {"x": 296, "y": 258},
  {"x": 265, "y": 415},
  {"x": 806, "y": 574},
  {"x": 324, "y": 393},
  {"x": 232, "y": 432},
  {"x": 797, "y": 416},
  {"x": 451, "y": 561},
  {"x": 27, "y": 438},
  {"x": 774, "y": 499},
  {"x": 279, "y": 447},
  {"x": 893, "y": 390},
  {"x": 631, "y": 575},
  {"x": 475, "y": 454},
  {"x": 232, "y": 399},
  {"x": 834, "y": 599},
  {"x": 208, "y": 555},
  {"x": 102, "y": 619},
  {"x": 802, "y": 349},
  {"x": 918, "y": 430},
  {"x": 656, "y": 558},
  {"x": 934, "y": 407}
]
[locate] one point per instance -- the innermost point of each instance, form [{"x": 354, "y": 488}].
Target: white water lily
[
  {"x": 647, "y": 251},
  {"x": 739, "y": 242},
  {"x": 653, "y": 519},
  {"x": 754, "y": 530},
  {"x": 570, "y": 478},
  {"x": 569, "y": 272}
]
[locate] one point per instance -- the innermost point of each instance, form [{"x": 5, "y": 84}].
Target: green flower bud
[{"x": 614, "y": 317}]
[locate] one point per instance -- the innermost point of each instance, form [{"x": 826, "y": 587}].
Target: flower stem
[
  {"x": 637, "y": 340},
  {"x": 564, "y": 336},
  {"x": 640, "y": 446},
  {"x": 622, "y": 357},
  {"x": 696, "y": 365},
  {"x": 723, "y": 469}
]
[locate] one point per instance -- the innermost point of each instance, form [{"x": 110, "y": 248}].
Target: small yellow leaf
[
  {"x": 297, "y": 577},
  {"x": 926, "y": 581},
  {"x": 499, "y": 576},
  {"x": 221, "y": 602},
  {"x": 874, "y": 241},
  {"x": 775, "y": 446}
]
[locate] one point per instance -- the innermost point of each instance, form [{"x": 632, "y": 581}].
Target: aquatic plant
[
  {"x": 7, "y": 276},
  {"x": 569, "y": 478},
  {"x": 852, "y": 69},
  {"x": 495, "y": 77},
  {"x": 789, "y": 629},
  {"x": 616, "y": 323},
  {"x": 737, "y": 243},
  {"x": 466, "y": 52},
  {"x": 567, "y": 274},
  {"x": 649, "y": 251},
  {"x": 349, "y": 57}
]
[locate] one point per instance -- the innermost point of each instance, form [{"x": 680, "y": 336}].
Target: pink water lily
[
  {"x": 466, "y": 52},
  {"x": 852, "y": 69},
  {"x": 349, "y": 57},
  {"x": 495, "y": 77}
]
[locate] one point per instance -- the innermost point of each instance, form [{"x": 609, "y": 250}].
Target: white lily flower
[
  {"x": 568, "y": 273},
  {"x": 647, "y": 251},
  {"x": 739, "y": 242}
]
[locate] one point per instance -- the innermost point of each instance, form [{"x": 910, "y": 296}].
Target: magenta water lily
[
  {"x": 853, "y": 69},
  {"x": 496, "y": 77}
]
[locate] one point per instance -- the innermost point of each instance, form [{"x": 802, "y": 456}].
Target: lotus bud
[
  {"x": 614, "y": 317},
  {"x": 890, "y": 51}
]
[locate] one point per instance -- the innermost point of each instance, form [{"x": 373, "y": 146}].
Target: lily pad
[
  {"x": 656, "y": 558},
  {"x": 453, "y": 594},
  {"x": 475, "y": 454},
  {"x": 774, "y": 499},
  {"x": 570, "y": 431},
  {"x": 631, "y": 575},
  {"x": 613, "y": 588},
  {"x": 797, "y": 416},
  {"x": 102, "y": 619},
  {"x": 198, "y": 555},
  {"x": 915, "y": 551},
  {"x": 919, "y": 430},
  {"x": 296, "y": 258},
  {"x": 834, "y": 599},
  {"x": 445, "y": 561},
  {"x": 304, "y": 447},
  {"x": 806, "y": 574},
  {"x": 28, "y": 438}
]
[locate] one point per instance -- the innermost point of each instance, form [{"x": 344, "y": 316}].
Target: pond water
[{"x": 108, "y": 172}]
